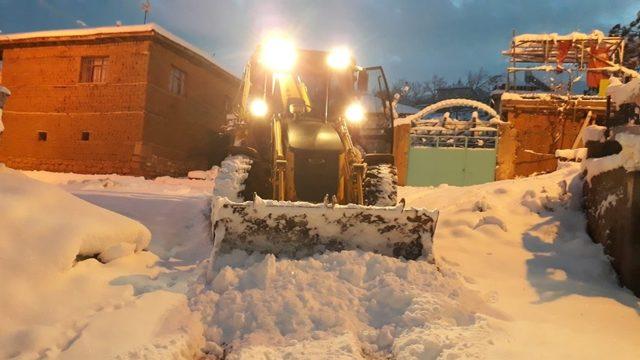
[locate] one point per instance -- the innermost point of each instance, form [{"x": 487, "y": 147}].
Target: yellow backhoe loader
[{"x": 296, "y": 182}]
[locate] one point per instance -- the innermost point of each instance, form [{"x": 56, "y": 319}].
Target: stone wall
[{"x": 612, "y": 206}]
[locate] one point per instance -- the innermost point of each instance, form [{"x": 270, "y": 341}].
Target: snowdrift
[
  {"x": 44, "y": 229},
  {"x": 54, "y": 306}
]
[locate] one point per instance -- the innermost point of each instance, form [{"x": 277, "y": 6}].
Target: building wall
[
  {"x": 47, "y": 96},
  {"x": 527, "y": 144},
  {"x": 180, "y": 132}
]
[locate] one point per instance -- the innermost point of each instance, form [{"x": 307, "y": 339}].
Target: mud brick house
[{"x": 129, "y": 100}]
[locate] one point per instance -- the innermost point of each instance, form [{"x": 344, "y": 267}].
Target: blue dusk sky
[{"x": 412, "y": 39}]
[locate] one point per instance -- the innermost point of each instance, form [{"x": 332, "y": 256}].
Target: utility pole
[{"x": 146, "y": 7}]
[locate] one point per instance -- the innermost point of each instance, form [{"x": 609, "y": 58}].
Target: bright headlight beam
[
  {"x": 258, "y": 108},
  {"x": 339, "y": 58},
  {"x": 278, "y": 54},
  {"x": 354, "y": 113}
]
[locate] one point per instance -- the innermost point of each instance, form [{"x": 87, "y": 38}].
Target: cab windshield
[{"x": 329, "y": 92}]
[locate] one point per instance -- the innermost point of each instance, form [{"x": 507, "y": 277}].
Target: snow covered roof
[
  {"x": 545, "y": 49},
  {"x": 106, "y": 32},
  {"x": 594, "y": 35}
]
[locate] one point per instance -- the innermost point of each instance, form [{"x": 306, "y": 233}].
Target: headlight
[
  {"x": 278, "y": 54},
  {"x": 339, "y": 58},
  {"x": 258, "y": 108},
  {"x": 354, "y": 113}
]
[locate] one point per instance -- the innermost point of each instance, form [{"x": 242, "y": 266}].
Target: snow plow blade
[{"x": 299, "y": 229}]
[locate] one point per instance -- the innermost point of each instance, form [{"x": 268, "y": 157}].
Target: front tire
[
  {"x": 258, "y": 181},
  {"x": 380, "y": 185}
]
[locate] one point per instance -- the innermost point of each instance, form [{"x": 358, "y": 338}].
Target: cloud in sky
[{"x": 412, "y": 38}]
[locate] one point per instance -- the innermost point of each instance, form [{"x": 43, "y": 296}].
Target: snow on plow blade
[{"x": 298, "y": 229}]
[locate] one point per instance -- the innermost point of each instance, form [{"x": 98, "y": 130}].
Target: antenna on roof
[{"x": 146, "y": 7}]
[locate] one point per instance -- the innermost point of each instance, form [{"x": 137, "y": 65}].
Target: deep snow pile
[
  {"x": 51, "y": 228},
  {"x": 55, "y": 303},
  {"x": 367, "y": 303}
]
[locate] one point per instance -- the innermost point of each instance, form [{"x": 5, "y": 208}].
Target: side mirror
[{"x": 363, "y": 81}]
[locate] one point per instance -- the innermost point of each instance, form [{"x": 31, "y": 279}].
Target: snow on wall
[
  {"x": 620, "y": 93},
  {"x": 578, "y": 154},
  {"x": 447, "y": 104},
  {"x": 594, "y": 133},
  {"x": 629, "y": 157},
  {"x": 610, "y": 201}
]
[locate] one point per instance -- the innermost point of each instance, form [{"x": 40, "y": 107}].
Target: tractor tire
[
  {"x": 258, "y": 181},
  {"x": 380, "y": 185}
]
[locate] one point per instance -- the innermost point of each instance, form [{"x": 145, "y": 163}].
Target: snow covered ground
[
  {"x": 515, "y": 276},
  {"x": 522, "y": 243},
  {"x": 65, "y": 265}
]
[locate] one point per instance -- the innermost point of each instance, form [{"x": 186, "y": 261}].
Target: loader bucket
[{"x": 299, "y": 229}]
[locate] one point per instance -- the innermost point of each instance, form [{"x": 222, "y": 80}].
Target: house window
[
  {"x": 42, "y": 136},
  {"x": 177, "y": 81},
  {"x": 94, "y": 69},
  {"x": 85, "y": 136}
]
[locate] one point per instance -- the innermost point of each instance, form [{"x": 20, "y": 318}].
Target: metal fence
[{"x": 454, "y": 141}]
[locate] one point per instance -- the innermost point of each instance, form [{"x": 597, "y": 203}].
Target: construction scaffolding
[{"x": 596, "y": 54}]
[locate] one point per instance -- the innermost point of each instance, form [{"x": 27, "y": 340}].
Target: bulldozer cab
[{"x": 311, "y": 88}]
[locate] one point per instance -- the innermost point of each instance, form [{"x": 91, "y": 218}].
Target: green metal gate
[{"x": 453, "y": 160}]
